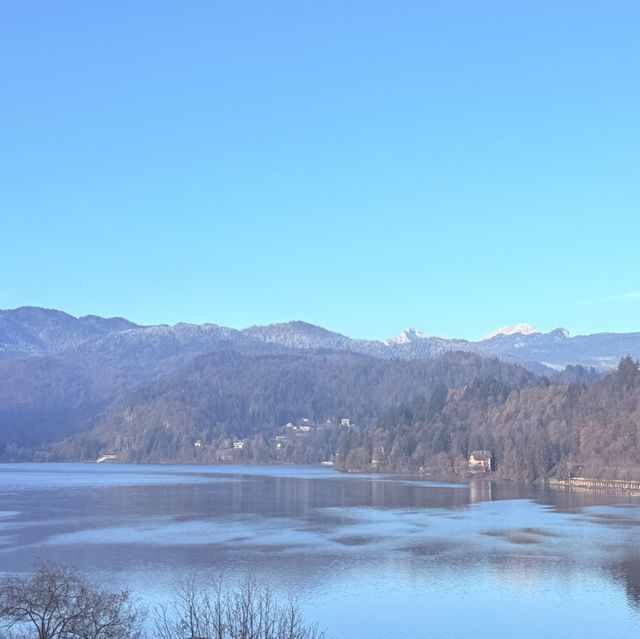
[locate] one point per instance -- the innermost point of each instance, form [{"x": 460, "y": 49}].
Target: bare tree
[
  {"x": 55, "y": 602},
  {"x": 193, "y": 612},
  {"x": 213, "y": 611}
]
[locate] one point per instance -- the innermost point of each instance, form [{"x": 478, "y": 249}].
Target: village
[{"x": 279, "y": 448}]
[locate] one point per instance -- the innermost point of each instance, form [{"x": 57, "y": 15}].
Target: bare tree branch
[{"x": 57, "y": 603}]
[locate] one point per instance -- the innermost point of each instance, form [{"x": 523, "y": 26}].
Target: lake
[{"x": 369, "y": 557}]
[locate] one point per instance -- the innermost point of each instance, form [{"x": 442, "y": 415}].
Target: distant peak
[
  {"x": 520, "y": 329},
  {"x": 406, "y": 336}
]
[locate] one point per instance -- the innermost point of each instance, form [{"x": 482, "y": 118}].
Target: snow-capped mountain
[
  {"x": 520, "y": 329},
  {"x": 525, "y": 345},
  {"x": 406, "y": 336}
]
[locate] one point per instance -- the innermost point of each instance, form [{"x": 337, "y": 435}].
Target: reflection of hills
[{"x": 627, "y": 573}]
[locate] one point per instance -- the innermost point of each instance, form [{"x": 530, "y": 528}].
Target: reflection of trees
[{"x": 627, "y": 572}]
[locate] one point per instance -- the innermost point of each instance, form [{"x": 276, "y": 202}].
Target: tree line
[
  {"x": 533, "y": 431},
  {"x": 228, "y": 395}
]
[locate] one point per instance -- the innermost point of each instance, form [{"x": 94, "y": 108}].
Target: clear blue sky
[{"x": 366, "y": 166}]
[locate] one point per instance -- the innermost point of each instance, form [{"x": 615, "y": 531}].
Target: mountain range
[
  {"x": 34, "y": 331},
  {"x": 79, "y": 388}
]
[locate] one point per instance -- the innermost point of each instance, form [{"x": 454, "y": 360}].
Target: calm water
[{"x": 368, "y": 557}]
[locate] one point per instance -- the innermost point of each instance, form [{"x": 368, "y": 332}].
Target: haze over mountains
[
  {"x": 33, "y": 331},
  {"x": 79, "y": 388}
]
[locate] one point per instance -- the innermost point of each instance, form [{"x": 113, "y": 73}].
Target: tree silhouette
[{"x": 55, "y": 602}]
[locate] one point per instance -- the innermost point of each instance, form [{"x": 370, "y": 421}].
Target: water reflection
[
  {"x": 627, "y": 573},
  {"x": 403, "y": 551},
  {"x": 480, "y": 490}
]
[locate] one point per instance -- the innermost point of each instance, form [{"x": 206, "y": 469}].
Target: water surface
[{"x": 368, "y": 556}]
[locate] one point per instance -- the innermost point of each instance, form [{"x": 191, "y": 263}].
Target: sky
[{"x": 454, "y": 165}]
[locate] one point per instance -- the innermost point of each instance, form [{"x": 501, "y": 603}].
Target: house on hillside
[
  {"x": 280, "y": 441},
  {"x": 480, "y": 461}
]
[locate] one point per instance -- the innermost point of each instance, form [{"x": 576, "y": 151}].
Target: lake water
[{"x": 369, "y": 557}]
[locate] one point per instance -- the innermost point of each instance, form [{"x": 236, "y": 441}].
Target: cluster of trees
[
  {"x": 418, "y": 416},
  {"x": 160, "y": 444},
  {"x": 228, "y": 395},
  {"x": 56, "y": 602},
  {"x": 248, "y": 611},
  {"x": 533, "y": 431},
  {"x": 66, "y": 384}
]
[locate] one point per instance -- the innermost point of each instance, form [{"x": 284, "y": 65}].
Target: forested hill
[
  {"x": 79, "y": 388},
  {"x": 197, "y": 412},
  {"x": 532, "y": 432}
]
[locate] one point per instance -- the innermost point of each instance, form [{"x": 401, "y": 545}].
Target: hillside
[
  {"x": 31, "y": 330},
  {"x": 532, "y": 431},
  {"x": 229, "y": 395}
]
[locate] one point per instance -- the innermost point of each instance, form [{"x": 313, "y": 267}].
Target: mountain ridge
[{"x": 35, "y": 331}]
